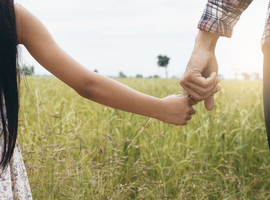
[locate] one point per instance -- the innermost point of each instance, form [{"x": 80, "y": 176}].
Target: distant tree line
[
  {"x": 122, "y": 75},
  {"x": 163, "y": 61},
  {"x": 254, "y": 76}
]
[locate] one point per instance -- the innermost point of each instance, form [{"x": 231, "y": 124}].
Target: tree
[
  {"x": 236, "y": 71},
  {"x": 246, "y": 76},
  {"x": 27, "y": 70},
  {"x": 139, "y": 76},
  {"x": 175, "y": 77},
  {"x": 163, "y": 61},
  {"x": 155, "y": 76},
  {"x": 256, "y": 76},
  {"x": 122, "y": 75}
]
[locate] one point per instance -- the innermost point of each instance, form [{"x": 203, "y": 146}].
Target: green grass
[{"x": 95, "y": 152}]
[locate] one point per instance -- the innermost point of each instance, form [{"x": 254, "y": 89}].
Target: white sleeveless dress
[{"x": 13, "y": 181}]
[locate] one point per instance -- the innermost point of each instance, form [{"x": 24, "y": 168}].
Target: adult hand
[{"x": 200, "y": 78}]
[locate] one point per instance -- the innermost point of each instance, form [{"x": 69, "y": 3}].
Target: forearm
[
  {"x": 206, "y": 40},
  {"x": 112, "y": 93},
  {"x": 200, "y": 78},
  {"x": 174, "y": 109}
]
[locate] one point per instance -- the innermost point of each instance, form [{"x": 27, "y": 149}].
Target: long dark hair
[{"x": 9, "y": 102}]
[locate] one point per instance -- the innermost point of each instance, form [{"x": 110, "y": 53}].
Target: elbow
[
  {"x": 82, "y": 92},
  {"x": 85, "y": 88}
]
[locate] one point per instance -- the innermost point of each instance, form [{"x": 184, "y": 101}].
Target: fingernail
[
  {"x": 218, "y": 88},
  {"x": 218, "y": 80}
]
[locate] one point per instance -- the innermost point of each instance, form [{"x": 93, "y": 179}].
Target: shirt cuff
[{"x": 217, "y": 20}]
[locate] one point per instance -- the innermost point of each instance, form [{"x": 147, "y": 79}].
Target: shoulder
[
  {"x": 18, "y": 13},
  {"x": 24, "y": 19}
]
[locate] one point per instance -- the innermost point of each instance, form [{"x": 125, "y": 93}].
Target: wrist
[
  {"x": 157, "y": 114},
  {"x": 206, "y": 40}
]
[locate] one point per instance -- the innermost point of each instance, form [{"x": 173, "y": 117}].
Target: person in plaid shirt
[{"x": 219, "y": 17}]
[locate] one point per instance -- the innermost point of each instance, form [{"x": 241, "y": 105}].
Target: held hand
[
  {"x": 177, "y": 109},
  {"x": 200, "y": 78}
]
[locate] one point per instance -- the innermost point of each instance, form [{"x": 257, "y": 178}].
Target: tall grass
[{"x": 77, "y": 149}]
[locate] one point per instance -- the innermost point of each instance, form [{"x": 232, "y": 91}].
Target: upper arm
[{"x": 36, "y": 38}]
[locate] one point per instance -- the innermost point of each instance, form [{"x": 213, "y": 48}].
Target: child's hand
[{"x": 177, "y": 109}]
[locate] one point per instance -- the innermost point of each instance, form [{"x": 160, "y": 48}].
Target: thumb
[
  {"x": 209, "y": 103},
  {"x": 185, "y": 93}
]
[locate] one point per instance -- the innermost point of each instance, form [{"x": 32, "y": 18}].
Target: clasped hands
[
  {"x": 200, "y": 79},
  {"x": 201, "y": 76}
]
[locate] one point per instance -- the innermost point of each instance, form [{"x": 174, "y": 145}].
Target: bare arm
[
  {"x": 200, "y": 77},
  {"x": 39, "y": 42}
]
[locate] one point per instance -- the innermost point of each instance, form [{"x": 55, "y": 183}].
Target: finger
[
  {"x": 205, "y": 82},
  {"x": 193, "y": 101},
  {"x": 193, "y": 94},
  {"x": 209, "y": 103},
  {"x": 216, "y": 89},
  {"x": 185, "y": 92},
  {"x": 183, "y": 81},
  {"x": 192, "y": 111},
  {"x": 199, "y": 97},
  {"x": 201, "y": 90},
  {"x": 183, "y": 123},
  {"x": 188, "y": 117}
]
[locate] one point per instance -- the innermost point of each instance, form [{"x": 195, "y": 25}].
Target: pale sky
[{"x": 127, "y": 36}]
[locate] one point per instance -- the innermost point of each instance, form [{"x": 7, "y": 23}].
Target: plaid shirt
[{"x": 220, "y": 16}]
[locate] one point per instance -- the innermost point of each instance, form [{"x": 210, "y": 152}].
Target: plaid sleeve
[
  {"x": 266, "y": 32},
  {"x": 220, "y": 16}
]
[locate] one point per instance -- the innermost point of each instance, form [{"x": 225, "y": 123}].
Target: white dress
[{"x": 13, "y": 181}]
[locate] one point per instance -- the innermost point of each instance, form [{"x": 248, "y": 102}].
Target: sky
[{"x": 121, "y": 35}]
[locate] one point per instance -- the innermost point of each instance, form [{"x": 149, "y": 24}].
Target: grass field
[{"x": 77, "y": 149}]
